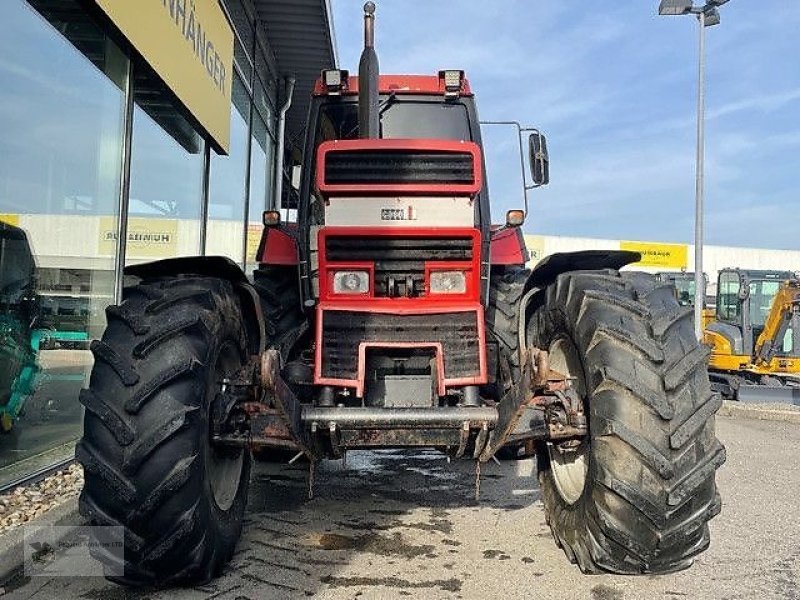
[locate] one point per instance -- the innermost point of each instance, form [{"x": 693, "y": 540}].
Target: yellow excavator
[{"x": 755, "y": 353}]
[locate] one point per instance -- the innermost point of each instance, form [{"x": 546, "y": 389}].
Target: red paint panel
[
  {"x": 399, "y": 84},
  {"x": 402, "y": 305},
  {"x": 358, "y": 383},
  {"x": 278, "y": 247},
  {"x": 508, "y": 247},
  {"x": 460, "y": 147}
]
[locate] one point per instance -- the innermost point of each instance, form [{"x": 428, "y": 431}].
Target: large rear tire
[
  {"x": 149, "y": 463},
  {"x": 636, "y": 496}
]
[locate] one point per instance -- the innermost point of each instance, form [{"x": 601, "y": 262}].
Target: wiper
[{"x": 384, "y": 106}]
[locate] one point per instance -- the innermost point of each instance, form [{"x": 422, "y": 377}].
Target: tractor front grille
[
  {"x": 398, "y": 259},
  {"x": 343, "y": 332},
  {"x": 358, "y": 167}
]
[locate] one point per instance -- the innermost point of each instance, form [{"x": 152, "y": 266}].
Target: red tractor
[{"x": 393, "y": 314}]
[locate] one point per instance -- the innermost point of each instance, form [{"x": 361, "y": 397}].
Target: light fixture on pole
[{"x": 707, "y": 16}]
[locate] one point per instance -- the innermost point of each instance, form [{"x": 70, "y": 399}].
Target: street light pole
[
  {"x": 699, "y": 278},
  {"x": 707, "y": 15}
]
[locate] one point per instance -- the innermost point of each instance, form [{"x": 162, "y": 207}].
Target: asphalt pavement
[{"x": 395, "y": 524}]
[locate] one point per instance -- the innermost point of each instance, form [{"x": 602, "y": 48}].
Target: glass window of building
[
  {"x": 166, "y": 186},
  {"x": 227, "y": 185},
  {"x": 62, "y": 118},
  {"x": 262, "y": 154}
]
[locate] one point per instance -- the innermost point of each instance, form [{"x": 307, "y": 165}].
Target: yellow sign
[
  {"x": 654, "y": 254},
  {"x": 189, "y": 43},
  {"x": 147, "y": 238},
  {"x": 535, "y": 245},
  {"x": 10, "y": 219}
]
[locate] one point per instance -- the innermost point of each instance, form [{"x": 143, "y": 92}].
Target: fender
[
  {"x": 550, "y": 267},
  {"x": 278, "y": 246},
  {"x": 222, "y": 268},
  {"x": 508, "y": 247}
]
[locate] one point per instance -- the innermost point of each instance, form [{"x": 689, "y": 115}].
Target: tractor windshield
[{"x": 400, "y": 118}]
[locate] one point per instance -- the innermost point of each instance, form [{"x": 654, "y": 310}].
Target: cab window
[{"x": 728, "y": 297}]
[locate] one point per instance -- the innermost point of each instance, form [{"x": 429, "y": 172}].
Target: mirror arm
[{"x": 526, "y": 187}]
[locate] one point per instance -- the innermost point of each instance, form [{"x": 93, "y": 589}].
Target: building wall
[{"x": 715, "y": 258}]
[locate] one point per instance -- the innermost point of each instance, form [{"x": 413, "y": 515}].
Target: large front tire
[
  {"x": 636, "y": 496},
  {"x": 149, "y": 463}
]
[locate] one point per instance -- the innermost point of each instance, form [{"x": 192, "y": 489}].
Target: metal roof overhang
[{"x": 302, "y": 37}]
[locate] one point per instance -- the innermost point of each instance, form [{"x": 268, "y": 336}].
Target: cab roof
[{"x": 399, "y": 84}]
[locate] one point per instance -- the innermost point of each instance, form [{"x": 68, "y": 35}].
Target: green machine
[{"x": 18, "y": 311}]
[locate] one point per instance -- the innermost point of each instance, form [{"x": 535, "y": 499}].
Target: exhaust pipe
[{"x": 368, "y": 118}]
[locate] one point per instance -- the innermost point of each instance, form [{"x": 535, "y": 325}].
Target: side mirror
[{"x": 539, "y": 159}]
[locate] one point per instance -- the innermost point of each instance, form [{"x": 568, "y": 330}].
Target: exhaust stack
[{"x": 368, "y": 118}]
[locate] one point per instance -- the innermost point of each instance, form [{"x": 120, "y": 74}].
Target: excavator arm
[{"x": 784, "y": 305}]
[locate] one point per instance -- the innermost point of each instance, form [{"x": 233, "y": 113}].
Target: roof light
[
  {"x": 335, "y": 80},
  {"x": 452, "y": 79}
]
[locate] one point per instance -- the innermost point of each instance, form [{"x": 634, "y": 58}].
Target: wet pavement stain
[
  {"x": 371, "y": 543},
  {"x": 447, "y": 585},
  {"x": 605, "y": 592},
  {"x": 499, "y": 554}
]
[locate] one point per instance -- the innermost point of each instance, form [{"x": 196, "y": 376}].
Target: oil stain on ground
[
  {"x": 372, "y": 543},
  {"x": 448, "y": 585}
]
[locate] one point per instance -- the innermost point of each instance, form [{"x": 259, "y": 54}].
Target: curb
[
  {"x": 11, "y": 544},
  {"x": 759, "y": 412}
]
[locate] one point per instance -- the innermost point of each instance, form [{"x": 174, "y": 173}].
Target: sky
[{"x": 614, "y": 88}]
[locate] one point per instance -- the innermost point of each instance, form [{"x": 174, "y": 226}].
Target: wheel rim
[
  {"x": 569, "y": 466},
  {"x": 223, "y": 468}
]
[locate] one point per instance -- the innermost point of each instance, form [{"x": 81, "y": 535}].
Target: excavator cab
[{"x": 755, "y": 352}]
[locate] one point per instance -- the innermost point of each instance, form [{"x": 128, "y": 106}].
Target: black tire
[
  {"x": 283, "y": 318},
  {"x": 651, "y": 456},
  {"x": 280, "y": 302},
  {"x": 146, "y": 452},
  {"x": 506, "y": 288}
]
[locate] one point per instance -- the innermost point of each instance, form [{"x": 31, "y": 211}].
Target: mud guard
[
  {"x": 214, "y": 266},
  {"x": 550, "y": 267}
]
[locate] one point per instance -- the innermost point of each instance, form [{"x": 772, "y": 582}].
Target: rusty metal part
[
  {"x": 391, "y": 418},
  {"x": 509, "y": 410},
  {"x": 462, "y": 442},
  {"x": 399, "y": 438},
  {"x": 481, "y": 441},
  {"x": 558, "y": 431},
  {"x": 541, "y": 371},
  {"x": 270, "y": 367},
  {"x": 541, "y": 387}
]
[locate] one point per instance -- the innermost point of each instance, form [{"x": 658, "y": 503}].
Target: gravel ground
[
  {"x": 396, "y": 525},
  {"x": 25, "y": 503}
]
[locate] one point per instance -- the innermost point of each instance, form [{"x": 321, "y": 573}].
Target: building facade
[{"x": 131, "y": 132}]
